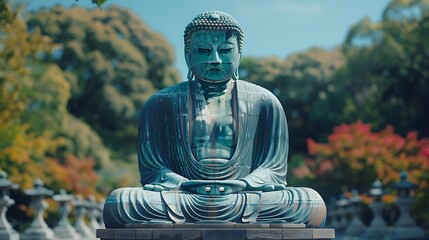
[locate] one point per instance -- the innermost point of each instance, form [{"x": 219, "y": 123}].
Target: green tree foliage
[
  {"x": 21, "y": 150},
  {"x": 304, "y": 84},
  {"x": 380, "y": 75},
  {"x": 113, "y": 63},
  {"x": 39, "y": 138},
  {"x": 387, "y": 70}
]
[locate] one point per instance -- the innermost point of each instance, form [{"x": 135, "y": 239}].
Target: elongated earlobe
[
  {"x": 190, "y": 75},
  {"x": 235, "y": 76}
]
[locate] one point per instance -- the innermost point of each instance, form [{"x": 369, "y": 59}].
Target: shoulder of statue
[
  {"x": 179, "y": 88},
  {"x": 166, "y": 95},
  {"x": 170, "y": 92},
  {"x": 254, "y": 89}
]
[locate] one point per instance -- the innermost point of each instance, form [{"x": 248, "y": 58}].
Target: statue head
[{"x": 213, "y": 45}]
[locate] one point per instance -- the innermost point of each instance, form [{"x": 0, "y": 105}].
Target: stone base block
[{"x": 215, "y": 232}]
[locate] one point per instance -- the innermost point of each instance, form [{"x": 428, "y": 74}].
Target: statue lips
[{"x": 215, "y": 69}]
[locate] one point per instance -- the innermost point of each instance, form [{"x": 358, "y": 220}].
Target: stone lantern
[
  {"x": 405, "y": 227},
  {"x": 342, "y": 212},
  {"x": 93, "y": 214},
  {"x": 378, "y": 228},
  {"x": 356, "y": 226},
  {"x": 6, "y": 230},
  {"x": 64, "y": 230},
  {"x": 81, "y": 227},
  {"x": 100, "y": 208},
  {"x": 38, "y": 228}
]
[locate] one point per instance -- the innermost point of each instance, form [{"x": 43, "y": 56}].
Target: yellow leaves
[
  {"x": 19, "y": 45},
  {"x": 389, "y": 198},
  {"x": 21, "y": 156},
  {"x": 25, "y": 160},
  {"x": 33, "y": 112}
]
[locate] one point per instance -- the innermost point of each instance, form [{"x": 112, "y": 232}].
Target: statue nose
[{"x": 214, "y": 58}]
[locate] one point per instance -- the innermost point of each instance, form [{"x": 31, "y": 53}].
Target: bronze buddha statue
[{"x": 213, "y": 147}]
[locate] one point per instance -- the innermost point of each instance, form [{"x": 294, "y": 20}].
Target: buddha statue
[{"x": 213, "y": 148}]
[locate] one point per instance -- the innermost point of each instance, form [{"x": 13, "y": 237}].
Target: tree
[
  {"x": 113, "y": 63},
  {"x": 304, "y": 85},
  {"x": 33, "y": 116},
  {"x": 387, "y": 68},
  {"x": 21, "y": 151},
  {"x": 355, "y": 156}
]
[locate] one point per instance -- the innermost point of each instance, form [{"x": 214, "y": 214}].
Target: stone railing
[
  {"x": 345, "y": 215},
  {"x": 84, "y": 209}
]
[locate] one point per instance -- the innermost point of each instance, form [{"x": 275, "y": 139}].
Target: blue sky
[{"x": 271, "y": 27}]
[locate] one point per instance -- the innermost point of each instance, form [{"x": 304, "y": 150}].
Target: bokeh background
[{"x": 352, "y": 76}]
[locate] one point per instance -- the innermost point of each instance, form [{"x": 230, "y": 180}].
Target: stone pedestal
[
  {"x": 80, "y": 225},
  {"x": 216, "y": 231},
  {"x": 331, "y": 217},
  {"x": 38, "y": 228},
  {"x": 93, "y": 214},
  {"x": 405, "y": 227},
  {"x": 64, "y": 230},
  {"x": 342, "y": 213},
  {"x": 6, "y": 230},
  {"x": 356, "y": 227},
  {"x": 378, "y": 228},
  {"x": 100, "y": 207}
]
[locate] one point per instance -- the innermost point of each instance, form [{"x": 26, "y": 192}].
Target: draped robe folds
[{"x": 260, "y": 158}]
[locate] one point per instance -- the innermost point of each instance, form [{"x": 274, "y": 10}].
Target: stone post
[
  {"x": 331, "y": 218},
  {"x": 100, "y": 208},
  {"x": 405, "y": 227},
  {"x": 378, "y": 228},
  {"x": 38, "y": 228},
  {"x": 356, "y": 226},
  {"x": 6, "y": 230},
  {"x": 93, "y": 213},
  {"x": 64, "y": 230},
  {"x": 81, "y": 208},
  {"x": 342, "y": 214}
]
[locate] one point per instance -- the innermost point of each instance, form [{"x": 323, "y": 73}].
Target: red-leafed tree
[{"x": 354, "y": 157}]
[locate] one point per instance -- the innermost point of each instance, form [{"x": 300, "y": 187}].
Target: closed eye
[
  {"x": 203, "y": 50},
  {"x": 225, "y": 50}
]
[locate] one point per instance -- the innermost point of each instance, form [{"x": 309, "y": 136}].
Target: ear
[
  {"x": 187, "y": 58},
  {"x": 239, "y": 61}
]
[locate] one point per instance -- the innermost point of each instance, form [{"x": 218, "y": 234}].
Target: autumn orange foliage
[
  {"x": 386, "y": 153},
  {"x": 355, "y": 156},
  {"x": 75, "y": 175}
]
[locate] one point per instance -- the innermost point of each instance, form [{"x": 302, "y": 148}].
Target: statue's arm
[
  {"x": 156, "y": 145},
  {"x": 165, "y": 180},
  {"x": 271, "y": 148},
  {"x": 254, "y": 182},
  {"x": 155, "y": 172}
]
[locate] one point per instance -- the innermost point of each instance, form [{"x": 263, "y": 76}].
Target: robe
[{"x": 165, "y": 158}]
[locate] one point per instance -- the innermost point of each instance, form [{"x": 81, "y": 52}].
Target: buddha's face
[{"x": 213, "y": 55}]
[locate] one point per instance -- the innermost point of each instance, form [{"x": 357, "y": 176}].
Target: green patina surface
[{"x": 213, "y": 148}]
